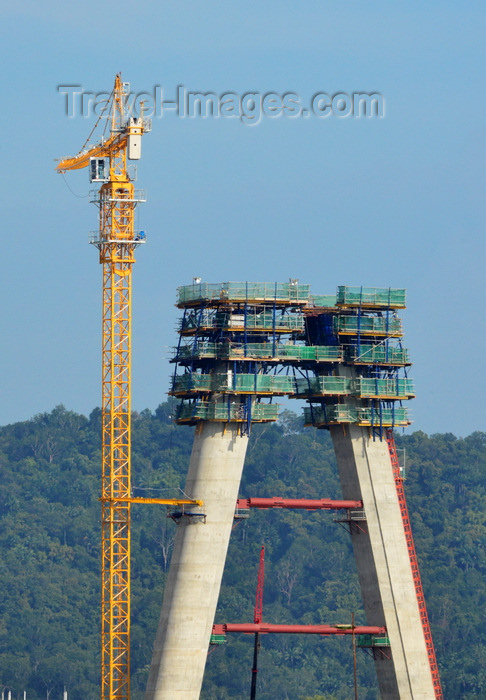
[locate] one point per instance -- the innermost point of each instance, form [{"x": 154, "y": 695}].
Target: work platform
[{"x": 237, "y": 338}]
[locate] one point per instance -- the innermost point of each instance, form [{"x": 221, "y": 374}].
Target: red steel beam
[
  {"x": 265, "y": 628},
  {"x": 258, "y": 611},
  {"x": 306, "y": 503}
]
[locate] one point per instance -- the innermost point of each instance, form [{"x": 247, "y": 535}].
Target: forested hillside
[{"x": 50, "y": 532}]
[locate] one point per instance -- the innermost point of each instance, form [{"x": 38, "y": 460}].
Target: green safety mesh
[
  {"x": 377, "y": 354},
  {"x": 342, "y": 413},
  {"x": 371, "y": 296},
  {"x": 194, "y": 382},
  {"x": 266, "y": 383},
  {"x": 228, "y": 382},
  {"x": 200, "y": 350},
  {"x": 267, "y": 320},
  {"x": 368, "y": 324},
  {"x": 324, "y": 385},
  {"x": 372, "y": 640},
  {"x": 226, "y": 411},
  {"x": 264, "y": 315},
  {"x": 290, "y": 292},
  {"x": 326, "y": 300},
  {"x": 209, "y": 319},
  {"x": 228, "y": 350},
  {"x": 243, "y": 291},
  {"x": 382, "y": 387}
]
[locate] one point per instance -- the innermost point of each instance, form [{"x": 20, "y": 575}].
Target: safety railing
[
  {"x": 367, "y": 416},
  {"x": 377, "y": 355},
  {"x": 382, "y": 388},
  {"x": 368, "y": 325},
  {"x": 374, "y": 297},
  {"x": 317, "y": 386},
  {"x": 225, "y": 411},
  {"x": 243, "y": 291}
]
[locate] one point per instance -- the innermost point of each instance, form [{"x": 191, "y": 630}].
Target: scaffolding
[
  {"x": 373, "y": 416},
  {"x": 323, "y": 386},
  {"x": 386, "y": 388},
  {"x": 225, "y": 412},
  {"x": 368, "y": 325},
  {"x": 235, "y": 338},
  {"x": 377, "y": 355},
  {"x": 280, "y": 352},
  {"x": 250, "y": 292},
  {"x": 233, "y": 383},
  {"x": 213, "y": 319},
  {"x": 323, "y": 300},
  {"x": 372, "y": 297}
]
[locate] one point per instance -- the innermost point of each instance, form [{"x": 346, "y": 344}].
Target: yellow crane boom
[{"x": 82, "y": 160}]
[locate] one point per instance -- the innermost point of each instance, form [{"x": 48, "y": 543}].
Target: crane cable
[
  {"x": 98, "y": 120},
  {"x": 108, "y": 102},
  {"x": 80, "y": 196},
  {"x": 83, "y": 196}
]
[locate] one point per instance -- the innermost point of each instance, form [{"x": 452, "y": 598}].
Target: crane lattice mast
[{"x": 116, "y": 241}]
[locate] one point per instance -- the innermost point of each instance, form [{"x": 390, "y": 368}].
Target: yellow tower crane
[{"x": 116, "y": 241}]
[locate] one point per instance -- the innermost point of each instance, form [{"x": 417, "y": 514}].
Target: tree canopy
[{"x": 50, "y": 568}]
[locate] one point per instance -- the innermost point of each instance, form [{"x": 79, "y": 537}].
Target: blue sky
[{"x": 397, "y": 201}]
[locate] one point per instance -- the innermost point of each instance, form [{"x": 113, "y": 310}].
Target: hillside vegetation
[{"x": 50, "y": 565}]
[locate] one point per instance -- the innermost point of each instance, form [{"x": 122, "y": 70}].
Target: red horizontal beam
[
  {"x": 265, "y": 628},
  {"x": 306, "y": 503}
]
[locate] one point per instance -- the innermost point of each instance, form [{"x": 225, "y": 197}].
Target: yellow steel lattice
[
  {"x": 116, "y": 243},
  {"x": 116, "y": 482}
]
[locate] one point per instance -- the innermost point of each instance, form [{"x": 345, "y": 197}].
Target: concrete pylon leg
[
  {"x": 196, "y": 569},
  {"x": 383, "y": 563}
]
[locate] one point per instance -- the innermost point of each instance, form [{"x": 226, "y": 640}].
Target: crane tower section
[{"x": 116, "y": 241}]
